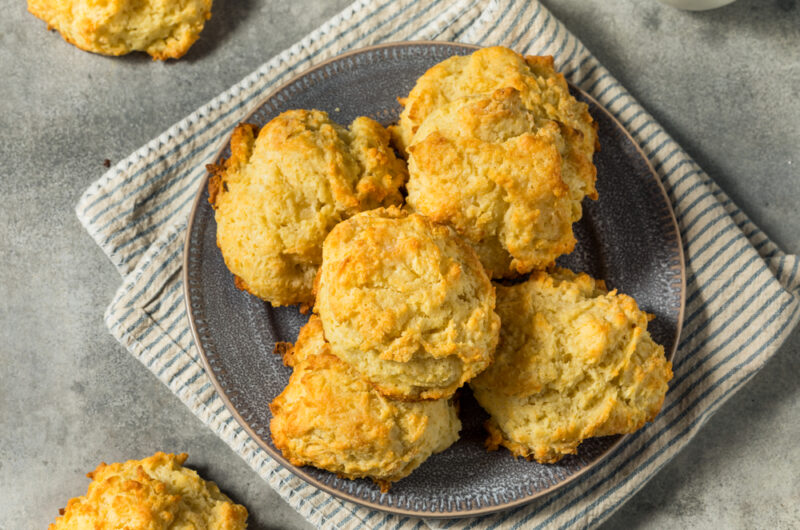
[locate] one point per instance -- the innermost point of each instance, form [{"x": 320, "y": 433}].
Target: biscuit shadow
[
  {"x": 225, "y": 18},
  {"x": 721, "y": 443}
]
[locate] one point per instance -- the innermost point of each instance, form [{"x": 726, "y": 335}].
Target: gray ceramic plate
[{"x": 628, "y": 237}]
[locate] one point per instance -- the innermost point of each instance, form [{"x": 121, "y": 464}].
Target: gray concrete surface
[{"x": 724, "y": 83}]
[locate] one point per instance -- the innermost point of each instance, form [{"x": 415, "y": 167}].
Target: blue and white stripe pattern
[{"x": 743, "y": 293}]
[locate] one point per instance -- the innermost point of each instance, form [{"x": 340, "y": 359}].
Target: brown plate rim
[{"x": 299, "y": 472}]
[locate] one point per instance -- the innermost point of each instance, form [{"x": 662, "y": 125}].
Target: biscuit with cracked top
[
  {"x": 543, "y": 90},
  {"x": 154, "y": 493},
  {"x": 407, "y": 303},
  {"x": 574, "y": 362},
  {"x": 165, "y": 29},
  {"x": 502, "y": 177},
  {"x": 329, "y": 416},
  {"x": 282, "y": 191}
]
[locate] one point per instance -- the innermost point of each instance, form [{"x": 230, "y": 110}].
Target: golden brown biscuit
[
  {"x": 278, "y": 196},
  {"x": 500, "y": 175},
  {"x": 330, "y": 417},
  {"x": 574, "y": 361},
  {"x": 163, "y": 28},
  {"x": 151, "y": 494},
  {"x": 407, "y": 303},
  {"x": 543, "y": 90}
]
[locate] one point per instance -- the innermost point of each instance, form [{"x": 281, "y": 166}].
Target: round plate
[{"x": 628, "y": 238}]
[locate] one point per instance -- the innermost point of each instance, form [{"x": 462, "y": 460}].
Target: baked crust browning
[
  {"x": 574, "y": 362},
  {"x": 543, "y": 91},
  {"x": 502, "y": 177},
  {"x": 154, "y": 493},
  {"x": 163, "y": 28},
  {"x": 285, "y": 187},
  {"x": 406, "y": 302},
  {"x": 330, "y": 417}
]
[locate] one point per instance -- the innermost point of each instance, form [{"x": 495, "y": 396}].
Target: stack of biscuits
[{"x": 427, "y": 251}]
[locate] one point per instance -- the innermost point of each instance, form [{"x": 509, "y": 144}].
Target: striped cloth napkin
[{"x": 743, "y": 292}]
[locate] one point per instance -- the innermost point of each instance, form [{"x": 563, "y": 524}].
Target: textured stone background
[{"x": 725, "y": 83}]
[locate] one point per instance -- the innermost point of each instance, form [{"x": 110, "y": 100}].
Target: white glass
[{"x": 697, "y": 5}]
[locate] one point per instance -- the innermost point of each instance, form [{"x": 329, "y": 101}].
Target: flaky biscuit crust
[
  {"x": 165, "y": 29},
  {"x": 574, "y": 362},
  {"x": 407, "y": 303},
  {"x": 331, "y": 417},
  {"x": 280, "y": 193},
  {"x": 543, "y": 91},
  {"x": 502, "y": 177},
  {"x": 151, "y": 494}
]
